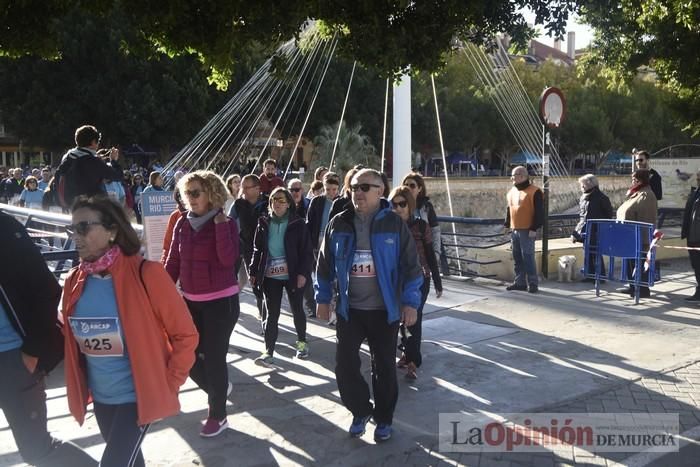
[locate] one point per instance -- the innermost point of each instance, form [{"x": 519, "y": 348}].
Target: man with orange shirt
[{"x": 524, "y": 216}]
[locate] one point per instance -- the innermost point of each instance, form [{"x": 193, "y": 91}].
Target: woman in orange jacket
[{"x": 129, "y": 338}]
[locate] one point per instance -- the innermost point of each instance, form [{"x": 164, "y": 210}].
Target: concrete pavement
[{"x": 561, "y": 350}]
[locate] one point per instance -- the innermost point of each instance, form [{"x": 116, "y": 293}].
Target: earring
[{"x": 111, "y": 240}]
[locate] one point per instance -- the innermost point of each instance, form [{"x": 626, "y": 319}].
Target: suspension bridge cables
[
  {"x": 342, "y": 116},
  {"x": 444, "y": 164},
  {"x": 386, "y": 112}
]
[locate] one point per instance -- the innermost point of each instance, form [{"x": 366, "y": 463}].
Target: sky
[{"x": 584, "y": 34}]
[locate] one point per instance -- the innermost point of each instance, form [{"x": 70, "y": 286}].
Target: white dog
[{"x": 567, "y": 268}]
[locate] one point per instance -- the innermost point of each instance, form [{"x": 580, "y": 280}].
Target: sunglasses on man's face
[
  {"x": 640, "y": 160},
  {"x": 194, "y": 193},
  {"x": 81, "y": 228},
  {"x": 363, "y": 186},
  {"x": 399, "y": 204}
]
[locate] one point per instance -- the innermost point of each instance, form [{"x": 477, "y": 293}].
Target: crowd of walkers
[
  {"x": 131, "y": 331},
  {"x": 359, "y": 256}
]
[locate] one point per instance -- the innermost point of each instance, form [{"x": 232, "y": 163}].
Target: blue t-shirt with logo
[
  {"x": 9, "y": 339},
  {"x": 98, "y": 332}
]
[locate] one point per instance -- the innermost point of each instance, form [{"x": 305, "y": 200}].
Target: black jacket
[
  {"x": 297, "y": 248},
  {"x": 655, "y": 184},
  {"x": 12, "y": 187},
  {"x": 314, "y": 216},
  {"x": 593, "y": 204},
  {"x": 691, "y": 219},
  {"x": 87, "y": 173},
  {"x": 339, "y": 204},
  {"x": 247, "y": 216},
  {"x": 29, "y": 293}
]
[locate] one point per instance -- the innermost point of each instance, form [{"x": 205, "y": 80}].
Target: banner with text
[{"x": 156, "y": 209}]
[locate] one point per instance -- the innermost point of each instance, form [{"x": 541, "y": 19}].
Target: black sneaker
[
  {"x": 532, "y": 289},
  {"x": 692, "y": 298},
  {"x": 516, "y": 287}
]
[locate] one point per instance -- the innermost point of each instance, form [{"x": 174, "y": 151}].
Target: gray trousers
[{"x": 23, "y": 401}]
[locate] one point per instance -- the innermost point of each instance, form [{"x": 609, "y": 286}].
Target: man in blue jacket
[{"x": 371, "y": 253}]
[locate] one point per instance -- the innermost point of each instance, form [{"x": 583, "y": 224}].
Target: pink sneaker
[{"x": 213, "y": 427}]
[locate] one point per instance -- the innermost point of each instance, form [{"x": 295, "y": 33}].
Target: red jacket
[
  {"x": 158, "y": 330},
  {"x": 269, "y": 184},
  {"x": 168, "y": 238},
  {"x": 204, "y": 261}
]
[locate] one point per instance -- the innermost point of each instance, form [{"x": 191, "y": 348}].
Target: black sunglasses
[
  {"x": 363, "y": 186},
  {"x": 295, "y": 190},
  {"x": 81, "y": 228},
  {"x": 399, "y": 204},
  {"x": 639, "y": 160},
  {"x": 194, "y": 193},
  {"x": 412, "y": 185}
]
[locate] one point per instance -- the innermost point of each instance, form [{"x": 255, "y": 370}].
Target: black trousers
[
  {"x": 273, "y": 296},
  {"x": 411, "y": 344},
  {"x": 214, "y": 320},
  {"x": 309, "y": 292},
  {"x": 122, "y": 434},
  {"x": 695, "y": 263},
  {"x": 354, "y": 391},
  {"x": 23, "y": 401}
]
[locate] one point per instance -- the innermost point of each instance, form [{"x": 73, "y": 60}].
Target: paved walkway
[{"x": 563, "y": 350}]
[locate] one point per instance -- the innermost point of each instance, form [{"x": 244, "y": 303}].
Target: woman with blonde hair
[{"x": 203, "y": 257}]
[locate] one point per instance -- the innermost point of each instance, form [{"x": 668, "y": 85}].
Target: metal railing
[
  {"x": 471, "y": 233},
  {"x": 48, "y": 229},
  {"x": 484, "y": 233}
]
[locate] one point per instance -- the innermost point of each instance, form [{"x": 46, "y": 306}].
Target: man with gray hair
[
  {"x": 594, "y": 204},
  {"x": 301, "y": 202},
  {"x": 524, "y": 216},
  {"x": 371, "y": 253}
]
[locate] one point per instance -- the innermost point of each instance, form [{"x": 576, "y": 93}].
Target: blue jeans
[{"x": 524, "y": 257}]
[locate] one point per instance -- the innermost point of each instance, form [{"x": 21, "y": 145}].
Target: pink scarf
[{"x": 102, "y": 263}]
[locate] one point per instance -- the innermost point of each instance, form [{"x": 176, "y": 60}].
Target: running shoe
[
  {"x": 382, "y": 432},
  {"x": 357, "y": 428},
  {"x": 213, "y": 427},
  {"x": 265, "y": 359},
  {"x": 302, "y": 350}
]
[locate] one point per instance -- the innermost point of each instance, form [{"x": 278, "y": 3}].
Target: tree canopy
[
  {"x": 156, "y": 101},
  {"x": 662, "y": 35},
  {"x": 387, "y": 35}
]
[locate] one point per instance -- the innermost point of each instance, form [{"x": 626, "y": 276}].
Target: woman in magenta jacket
[{"x": 203, "y": 256}]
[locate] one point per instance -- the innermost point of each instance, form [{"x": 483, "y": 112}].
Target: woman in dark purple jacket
[
  {"x": 282, "y": 258},
  {"x": 203, "y": 256}
]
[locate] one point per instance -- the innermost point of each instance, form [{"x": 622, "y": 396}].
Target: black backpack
[{"x": 64, "y": 186}]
